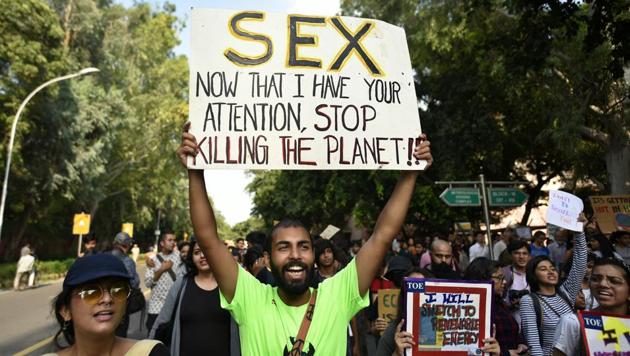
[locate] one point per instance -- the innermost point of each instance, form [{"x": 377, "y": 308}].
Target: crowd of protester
[{"x": 249, "y": 298}]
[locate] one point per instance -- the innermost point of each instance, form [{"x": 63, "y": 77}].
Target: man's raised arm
[
  {"x": 389, "y": 222},
  {"x": 221, "y": 262}
]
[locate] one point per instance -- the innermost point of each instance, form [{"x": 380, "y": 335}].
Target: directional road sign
[
  {"x": 461, "y": 197},
  {"x": 507, "y": 197}
]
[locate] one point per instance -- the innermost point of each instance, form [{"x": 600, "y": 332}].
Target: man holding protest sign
[
  {"x": 318, "y": 93},
  {"x": 269, "y": 318}
]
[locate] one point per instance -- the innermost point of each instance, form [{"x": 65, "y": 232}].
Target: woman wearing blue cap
[{"x": 91, "y": 306}]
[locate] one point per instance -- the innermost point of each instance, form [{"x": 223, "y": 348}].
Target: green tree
[{"x": 102, "y": 145}]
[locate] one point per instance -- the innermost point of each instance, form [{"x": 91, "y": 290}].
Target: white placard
[
  {"x": 278, "y": 91},
  {"x": 564, "y": 209},
  {"x": 329, "y": 232}
]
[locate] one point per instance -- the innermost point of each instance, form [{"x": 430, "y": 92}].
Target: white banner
[{"x": 277, "y": 91}]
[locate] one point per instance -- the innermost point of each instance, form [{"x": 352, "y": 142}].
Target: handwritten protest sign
[
  {"x": 277, "y": 91},
  {"x": 447, "y": 317},
  {"x": 564, "y": 209},
  {"x": 605, "y": 334},
  {"x": 388, "y": 304},
  {"x": 612, "y": 212}
]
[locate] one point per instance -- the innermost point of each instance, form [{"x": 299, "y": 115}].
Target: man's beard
[
  {"x": 292, "y": 288},
  {"x": 440, "y": 268}
]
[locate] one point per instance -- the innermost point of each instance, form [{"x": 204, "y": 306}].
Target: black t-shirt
[{"x": 205, "y": 326}]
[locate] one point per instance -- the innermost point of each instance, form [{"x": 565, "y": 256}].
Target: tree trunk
[
  {"x": 618, "y": 167},
  {"x": 17, "y": 240},
  {"x": 534, "y": 196}
]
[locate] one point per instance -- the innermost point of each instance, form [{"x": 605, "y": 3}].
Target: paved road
[
  {"x": 26, "y": 322},
  {"x": 25, "y": 317}
]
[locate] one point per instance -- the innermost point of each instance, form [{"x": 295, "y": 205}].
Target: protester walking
[{"x": 25, "y": 265}]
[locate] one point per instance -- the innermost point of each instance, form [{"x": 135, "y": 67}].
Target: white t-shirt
[
  {"x": 567, "y": 334},
  {"x": 477, "y": 250},
  {"x": 25, "y": 263},
  {"x": 498, "y": 248}
]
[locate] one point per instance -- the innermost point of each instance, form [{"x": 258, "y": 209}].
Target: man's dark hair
[
  {"x": 239, "y": 240},
  {"x": 481, "y": 269},
  {"x": 320, "y": 247},
  {"x": 89, "y": 238},
  {"x": 166, "y": 233},
  {"x": 284, "y": 224},
  {"x": 256, "y": 238},
  {"x": 530, "y": 277},
  {"x": 253, "y": 253},
  {"x": 518, "y": 244}
]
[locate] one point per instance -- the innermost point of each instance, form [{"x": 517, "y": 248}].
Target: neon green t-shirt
[{"x": 267, "y": 326}]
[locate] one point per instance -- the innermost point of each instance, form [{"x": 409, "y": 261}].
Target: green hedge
[{"x": 45, "y": 269}]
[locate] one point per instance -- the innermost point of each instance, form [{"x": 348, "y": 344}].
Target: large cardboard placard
[
  {"x": 447, "y": 317},
  {"x": 388, "y": 304},
  {"x": 612, "y": 212},
  {"x": 605, "y": 334},
  {"x": 278, "y": 91}
]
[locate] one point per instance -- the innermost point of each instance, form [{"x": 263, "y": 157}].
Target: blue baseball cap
[
  {"x": 89, "y": 268},
  {"x": 123, "y": 238}
]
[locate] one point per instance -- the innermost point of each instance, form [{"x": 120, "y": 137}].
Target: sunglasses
[{"x": 92, "y": 293}]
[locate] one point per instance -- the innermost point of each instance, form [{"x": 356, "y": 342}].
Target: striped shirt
[{"x": 570, "y": 288}]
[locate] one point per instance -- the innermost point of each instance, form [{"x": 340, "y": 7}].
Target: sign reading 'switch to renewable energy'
[{"x": 277, "y": 91}]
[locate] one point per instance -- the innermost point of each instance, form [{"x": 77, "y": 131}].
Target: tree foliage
[
  {"x": 101, "y": 144},
  {"x": 519, "y": 90}
]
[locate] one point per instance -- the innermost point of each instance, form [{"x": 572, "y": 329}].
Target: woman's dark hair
[
  {"x": 401, "y": 298},
  {"x": 253, "y": 253},
  {"x": 605, "y": 246},
  {"x": 192, "y": 269},
  {"x": 532, "y": 279},
  {"x": 182, "y": 244},
  {"x": 63, "y": 300},
  {"x": 615, "y": 236},
  {"x": 481, "y": 269}
]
